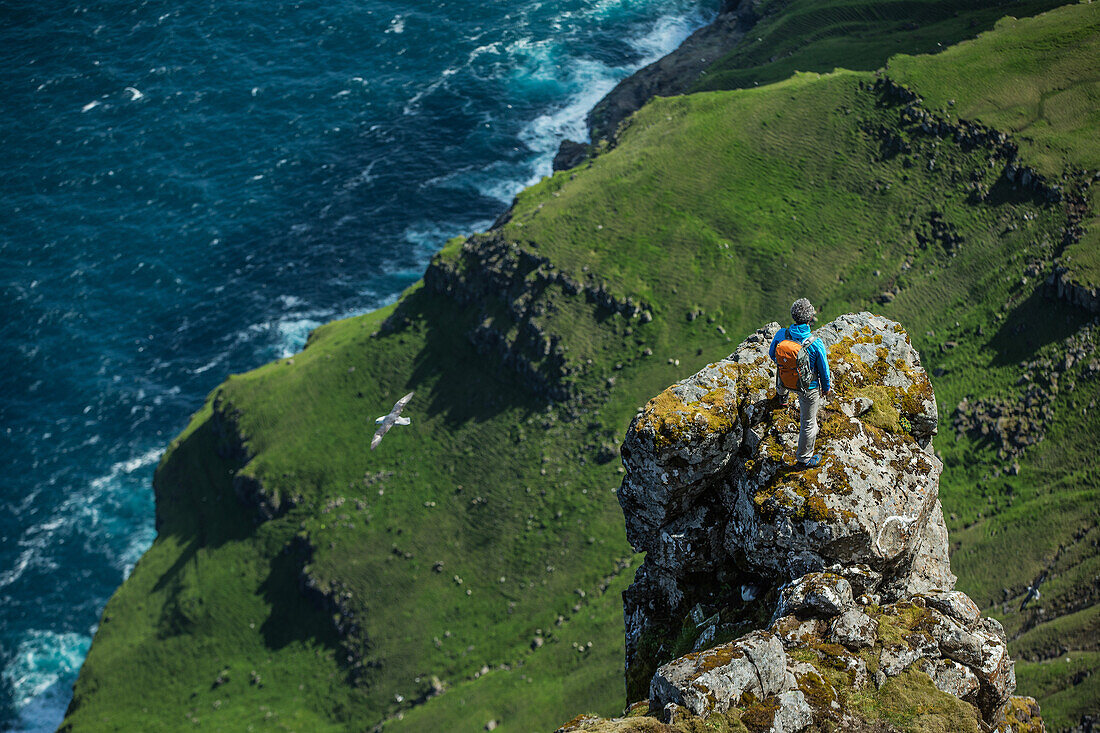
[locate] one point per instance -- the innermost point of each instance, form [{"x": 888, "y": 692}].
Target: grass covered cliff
[{"x": 470, "y": 569}]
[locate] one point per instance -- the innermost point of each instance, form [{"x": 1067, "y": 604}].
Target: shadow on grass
[
  {"x": 462, "y": 389},
  {"x": 1032, "y": 324},
  {"x": 293, "y": 618},
  {"x": 196, "y": 504},
  {"x": 196, "y": 501}
]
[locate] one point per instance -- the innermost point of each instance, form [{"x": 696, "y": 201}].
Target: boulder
[
  {"x": 951, "y": 677},
  {"x": 955, "y": 604},
  {"x": 716, "y": 680},
  {"x": 962, "y": 646},
  {"x": 816, "y": 594},
  {"x": 854, "y": 629},
  {"x": 793, "y": 714}
]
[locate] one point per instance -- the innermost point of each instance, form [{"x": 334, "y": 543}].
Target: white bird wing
[
  {"x": 378, "y": 435},
  {"x": 400, "y": 404}
]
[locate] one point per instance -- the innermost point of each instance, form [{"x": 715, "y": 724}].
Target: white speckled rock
[
  {"x": 715, "y": 680},
  {"x": 816, "y": 594},
  {"x": 955, "y": 604},
  {"x": 867, "y": 503},
  {"x": 854, "y": 629},
  {"x": 794, "y": 713},
  {"x": 951, "y": 677}
]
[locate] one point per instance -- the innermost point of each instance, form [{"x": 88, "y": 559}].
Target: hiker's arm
[{"x": 823, "y": 368}]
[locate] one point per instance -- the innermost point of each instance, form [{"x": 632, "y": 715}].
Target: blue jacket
[{"x": 800, "y": 332}]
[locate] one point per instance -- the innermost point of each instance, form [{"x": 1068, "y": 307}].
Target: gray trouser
[{"x": 808, "y": 404}]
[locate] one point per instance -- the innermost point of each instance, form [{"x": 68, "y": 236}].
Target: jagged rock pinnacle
[{"x": 848, "y": 560}]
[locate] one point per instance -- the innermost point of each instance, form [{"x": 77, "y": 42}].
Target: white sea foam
[
  {"x": 40, "y": 675},
  {"x": 362, "y": 177},
  {"x": 82, "y": 512},
  {"x": 413, "y": 105},
  {"x": 587, "y": 82},
  {"x": 667, "y": 33},
  {"x": 397, "y": 24},
  {"x": 134, "y": 94},
  {"x": 293, "y": 333},
  {"x": 209, "y": 365},
  {"x": 591, "y": 81},
  {"x": 430, "y": 236},
  {"x": 100, "y": 515}
]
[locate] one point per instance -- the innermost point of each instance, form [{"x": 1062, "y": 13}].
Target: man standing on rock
[{"x": 802, "y": 366}]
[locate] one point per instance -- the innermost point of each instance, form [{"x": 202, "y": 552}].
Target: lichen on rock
[{"x": 814, "y": 593}]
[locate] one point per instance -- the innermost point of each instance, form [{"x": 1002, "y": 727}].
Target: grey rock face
[
  {"x": 676, "y": 448},
  {"x": 955, "y": 604},
  {"x": 951, "y": 677},
  {"x": 848, "y": 556},
  {"x": 962, "y": 646},
  {"x": 856, "y": 406},
  {"x": 794, "y": 713},
  {"x": 930, "y": 570},
  {"x": 854, "y": 629},
  {"x": 896, "y": 659}
]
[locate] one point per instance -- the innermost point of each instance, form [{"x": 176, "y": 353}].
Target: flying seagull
[
  {"x": 1032, "y": 592},
  {"x": 386, "y": 422}
]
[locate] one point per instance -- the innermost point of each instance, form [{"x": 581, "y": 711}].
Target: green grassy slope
[
  {"x": 1047, "y": 98},
  {"x": 491, "y": 521},
  {"x": 211, "y": 629},
  {"x": 822, "y": 35}
]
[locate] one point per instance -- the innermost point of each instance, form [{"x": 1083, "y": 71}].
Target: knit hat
[{"x": 802, "y": 311}]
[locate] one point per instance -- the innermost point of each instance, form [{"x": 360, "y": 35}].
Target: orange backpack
[{"x": 793, "y": 366}]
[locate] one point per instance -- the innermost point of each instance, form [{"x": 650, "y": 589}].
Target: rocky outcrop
[
  {"x": 514, "y": 292},
  {"x": 785, "y": 596},
  {"x": 1021, "y": 418},
  {"x": 1060, "y": 284}
]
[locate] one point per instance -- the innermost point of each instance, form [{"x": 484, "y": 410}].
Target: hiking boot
[{"x": 814, "y": 460}]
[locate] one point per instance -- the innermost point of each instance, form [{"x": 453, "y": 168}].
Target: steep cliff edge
[{"x": 839, "y": 574}]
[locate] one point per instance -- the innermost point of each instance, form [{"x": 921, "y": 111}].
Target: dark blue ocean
[{"x": 186, "y": 189}]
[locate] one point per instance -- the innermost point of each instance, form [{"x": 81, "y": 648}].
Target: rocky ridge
[
  {"x": 516, "y": 293},
  {"x": 787, "y": 600}
]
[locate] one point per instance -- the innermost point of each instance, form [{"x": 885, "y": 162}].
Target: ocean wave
[
  {"x": 97, "y": 513},
  {"x": 40, "y": 676},
  {"x": 429, "y": 236},
  {"x": 585, "y": 82}
]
